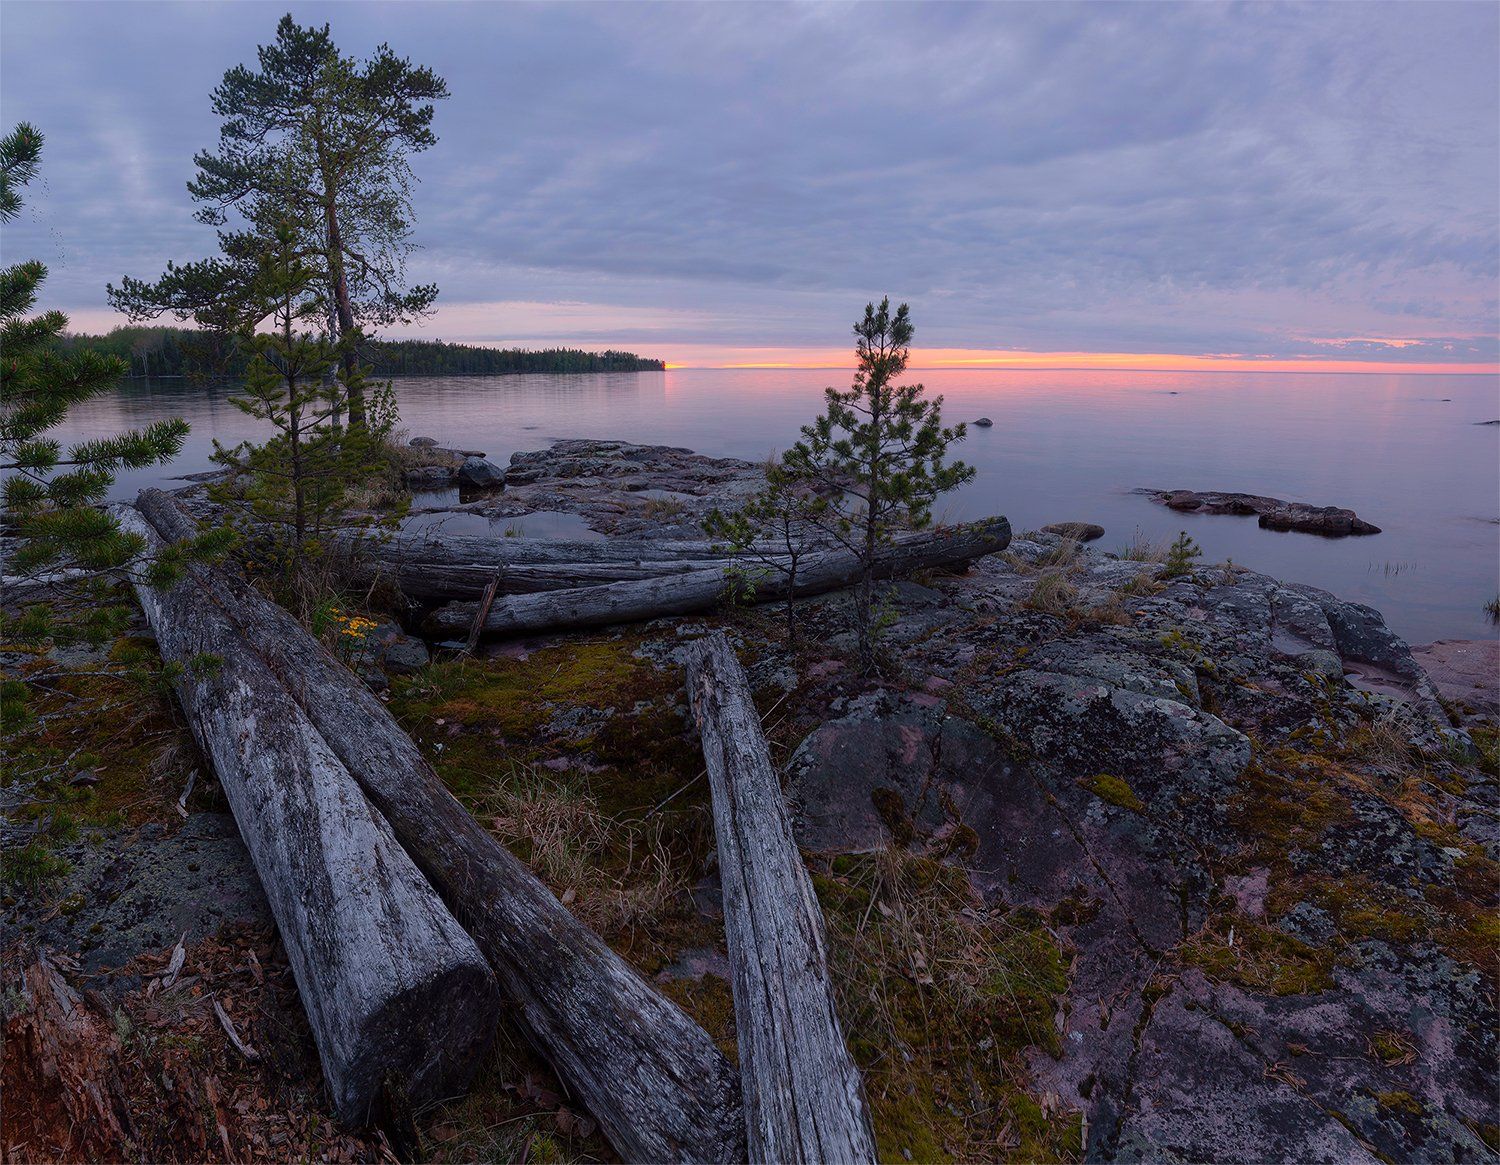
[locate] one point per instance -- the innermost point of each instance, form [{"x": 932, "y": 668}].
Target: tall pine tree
[
  {"x": 325, "y": 139},
  {"x": 291, "y": 488}
]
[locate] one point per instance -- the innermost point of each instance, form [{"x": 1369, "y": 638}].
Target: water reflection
[{"x": 1404, "y": 451}]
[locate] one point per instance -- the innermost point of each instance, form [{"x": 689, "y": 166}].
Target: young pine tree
[
  {"x": 53, "y": 497},
  {"x": 879, "y": 452}
]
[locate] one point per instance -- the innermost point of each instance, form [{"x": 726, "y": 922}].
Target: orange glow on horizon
[{"x": 957, "y": 358}]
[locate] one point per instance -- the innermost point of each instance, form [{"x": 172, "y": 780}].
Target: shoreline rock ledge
[{"x": 1272, "y": 513}]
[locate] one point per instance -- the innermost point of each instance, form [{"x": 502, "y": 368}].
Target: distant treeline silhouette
[{"x": 197, "y": 354}]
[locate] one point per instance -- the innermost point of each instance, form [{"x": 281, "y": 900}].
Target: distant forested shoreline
[{"x": 196, "y": 354}]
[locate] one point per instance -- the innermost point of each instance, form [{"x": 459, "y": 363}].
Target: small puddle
[{"x": 550, "y": 524}]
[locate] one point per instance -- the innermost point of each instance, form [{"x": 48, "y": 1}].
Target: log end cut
[{"x": 427, "y": 1040}]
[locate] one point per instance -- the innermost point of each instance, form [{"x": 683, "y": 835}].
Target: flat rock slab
[
  {"x": 127, "y": 894},
  {"x": 1271, "y": 513},
  {"x": 630, "y": 490},
  {"x": 1466, "y": 671}
]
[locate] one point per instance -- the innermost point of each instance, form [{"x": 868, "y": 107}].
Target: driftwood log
[
  {"x": 428, "y": 566},
  {"x": 804, "y": 1101},
  {"x": 653, "y": 1078},
  {"x": 394, "y": 989},
  {"x": 949, "y": 548}
]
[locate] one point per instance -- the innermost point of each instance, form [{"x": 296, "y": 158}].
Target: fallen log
[
  {"x": 949, "y": 548},
  {"x": 422, "y": 579},
  {"x": 653, "y": 1078},
  {"x": 472, "y": 549},
  {"x": 461, "y": 566},
  {"x": 395, "y": 991},
  {"x": 804, "y": 1101}
]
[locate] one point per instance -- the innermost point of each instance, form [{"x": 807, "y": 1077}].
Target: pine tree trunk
[{"x": 354, "y": 393}]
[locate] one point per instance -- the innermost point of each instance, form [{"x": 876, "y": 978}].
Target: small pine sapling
[{"x": 1180, "y": 556}]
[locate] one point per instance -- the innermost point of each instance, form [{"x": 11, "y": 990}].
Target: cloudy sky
[{"x": 1126, "y": 184}]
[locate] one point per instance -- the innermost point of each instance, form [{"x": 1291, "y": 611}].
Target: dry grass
[
  {"x": 1385, "y": 742},
  {"x": 660, "y": 508},
  {"x": 616, "y": 875},
  {"x": 1061, "y": 556},
  {"x": 1143, "y": 549},
  {"x": 1142, "y": 585},
  {"x": 1112, "y": 611},
  {"x": 1053, "y": 594}
]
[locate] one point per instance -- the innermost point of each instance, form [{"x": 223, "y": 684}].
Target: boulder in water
[{"x": 482, "y": 474}]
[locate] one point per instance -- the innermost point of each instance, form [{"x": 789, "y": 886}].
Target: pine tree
[
  {"x": 53, "y": 496},
  {"x": 879, "y": 453},
  {"x": 325, "y": 139},
  {"x": 293, "y": 487}
]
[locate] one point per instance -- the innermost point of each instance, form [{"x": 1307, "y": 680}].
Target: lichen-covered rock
[
  {"x": 1276, "y": 910},
  {"x": 144, "y": 891}
]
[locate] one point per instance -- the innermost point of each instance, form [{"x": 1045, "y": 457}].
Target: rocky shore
[{"x": 1117, "y": 866}]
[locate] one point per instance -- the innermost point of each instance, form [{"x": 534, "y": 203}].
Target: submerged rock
[
  {"x": 1464, "y": 671},
  {"x": 429, "y": 477}
]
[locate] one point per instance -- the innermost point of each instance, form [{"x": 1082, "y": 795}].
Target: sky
[{"x": 1122, "y": 185}]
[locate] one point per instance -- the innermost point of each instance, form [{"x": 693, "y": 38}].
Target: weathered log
[
  {"x": 460, "y": 566},
  {"x": 804, "y": 1101},
  {"x": 653, "y": 1078},
  {"x": 950, "y": 548},
  {"x": 393, "y": 987},
  {"x": 472, "y": 549},
  {"x": 422, "y": 579}
]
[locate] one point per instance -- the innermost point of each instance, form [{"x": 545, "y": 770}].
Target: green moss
[
  {"x": 1114, "y": 790},
  {"x": 1402, "y": 1102},
  {"x": 582, "y": 698},
  {"x": 1261, "y": 958},
  {"x": 941, "y": 1000},
  {"x": 1392, "y": 1047},
  {"x": 710, "y": 1001},
  {"x": 892, "y": 810},
  {"x": 1362, "y": 908},
  {"x": 1486, "y": 740}
]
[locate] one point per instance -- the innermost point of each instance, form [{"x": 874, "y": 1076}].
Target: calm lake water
[{"x": 1405, "y": 452}]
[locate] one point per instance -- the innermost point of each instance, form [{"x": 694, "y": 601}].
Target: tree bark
[
  {"x": 804, "y": 1100},
  {"x": 653, "y": 1078},
  {"x": 392, "y": 986},
  {"x": 343, "y": 307},
  {"x": 951, "y": 548}
]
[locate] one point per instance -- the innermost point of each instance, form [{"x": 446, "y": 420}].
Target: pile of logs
[
  {"x": 550, "y": 586},
  {"x": 408, "y": 926},
  {"x": 371, "y": 866}
]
